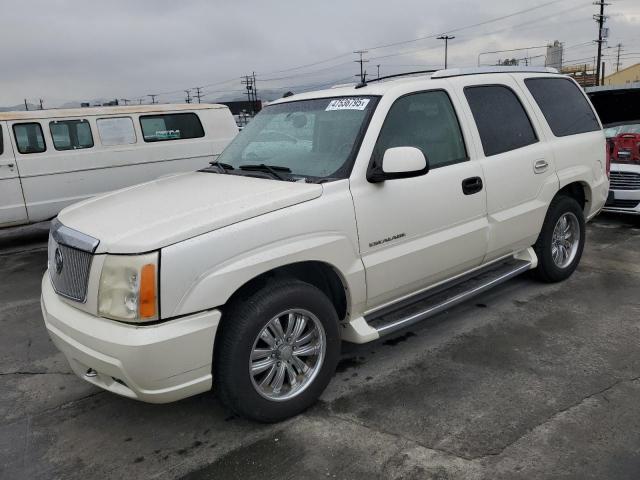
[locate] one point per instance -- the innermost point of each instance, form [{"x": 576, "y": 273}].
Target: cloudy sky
[{"x": 72, "y": 50}]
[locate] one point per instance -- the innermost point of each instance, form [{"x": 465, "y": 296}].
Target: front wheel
[
  {"x": 561, "y": 240},
  {"x": 277, "y": 352}
]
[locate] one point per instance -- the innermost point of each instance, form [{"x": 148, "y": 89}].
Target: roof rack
[
  {"x": 366, "y": 82},
  {"x": 456, "y": 72}
]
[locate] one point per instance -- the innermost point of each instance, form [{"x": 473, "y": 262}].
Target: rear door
[
  {"x": 516, "y": 159},
  {"x": 12, "y": 209}
]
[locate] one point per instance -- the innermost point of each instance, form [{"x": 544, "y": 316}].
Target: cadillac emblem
[{"x": 58, "y": 260}]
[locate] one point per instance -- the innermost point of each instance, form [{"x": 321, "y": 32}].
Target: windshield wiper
[
  {"x": 272, "y": 169},
  {"x": 223, "y": 167}
]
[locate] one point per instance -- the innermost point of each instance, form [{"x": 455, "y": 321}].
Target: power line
[{"x": 466, "y": 27}]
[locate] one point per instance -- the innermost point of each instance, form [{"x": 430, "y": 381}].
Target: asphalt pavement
[{"x": 526, "y": 381}]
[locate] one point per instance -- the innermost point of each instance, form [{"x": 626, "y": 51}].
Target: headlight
[{"x": 129, "y": 288}]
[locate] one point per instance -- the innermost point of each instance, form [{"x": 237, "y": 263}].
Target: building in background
[
  {"x": 584, "y": 74},
  {"x": 554, "y": 55},
  {"x": 626, "y": 75}
]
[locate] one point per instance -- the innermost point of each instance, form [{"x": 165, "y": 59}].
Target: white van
[{"x": 52, "y": 158}]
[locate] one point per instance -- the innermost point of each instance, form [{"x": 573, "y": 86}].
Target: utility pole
[
  {"x": 140, "y": 101},
  {"x": 41, "y": 106},
  {"x": 26, "y": 105},
  {"x": 153, "y": 98},
  {"x": 600, "y": 18},
  {"x": 378, "y": 71},
  {"x": 249, "y": 82},
  {"x": 125, "y": 101},
  {"x": 188, "y": 99},
  {"x": 446, "y": 39},
  {"x": 362, "y": 61},
  {"x": 618, "y": 64},
  {"x": 255, "y": 93},
  {"x": 198, "y": 95}
]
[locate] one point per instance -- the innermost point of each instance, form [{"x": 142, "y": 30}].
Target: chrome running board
[{"x": 432, "y": 302}]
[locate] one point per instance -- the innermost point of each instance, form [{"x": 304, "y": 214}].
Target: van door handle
[
  {"x": 540, "y": 166},
  {"x": 471, "y": 185},
  {"x": 10, "y": 165}
]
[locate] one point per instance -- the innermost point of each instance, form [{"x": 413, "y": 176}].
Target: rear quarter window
[
  {"x": 173, "y": 126},
  {"x": 563, "y": 105}
]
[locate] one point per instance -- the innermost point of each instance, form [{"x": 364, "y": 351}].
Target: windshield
[
  {"x": 314, "y": 139},
  {"x": 620, "y": 129}
]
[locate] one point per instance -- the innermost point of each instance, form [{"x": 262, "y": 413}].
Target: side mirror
[{"x": 399, "y": 162}]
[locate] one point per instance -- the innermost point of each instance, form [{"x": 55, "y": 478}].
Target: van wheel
[
  {"x": 561, "y": 241},
  {"x": 277, "y": 351}
]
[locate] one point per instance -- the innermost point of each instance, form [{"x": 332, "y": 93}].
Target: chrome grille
[
  {"x": 70, "y": 255},
  {"x": 624, "y": 180}
]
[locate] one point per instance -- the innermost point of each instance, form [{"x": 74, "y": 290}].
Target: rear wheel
[
  {"x": 561, "y": 240},
  {"x": 277, "y": 351}
]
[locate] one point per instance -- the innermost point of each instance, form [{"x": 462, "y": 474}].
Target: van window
[
  {"x": 173, "y": 126},
  {"x": 426, "y": 121},
  {"x": 563, "y": 105},
  {"x": 1, "y": 142},
  {"x": 116, "y": 131},
  {"x": 29, "y": 138},
  {"x": 71, "y": 134},
  {"x": 502, "y": 121}
]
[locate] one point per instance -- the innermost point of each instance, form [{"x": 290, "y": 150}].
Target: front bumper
[{"x": 157, "y": 363}]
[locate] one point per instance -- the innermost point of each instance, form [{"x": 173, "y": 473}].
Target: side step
[{"x": 437, "y": 300}]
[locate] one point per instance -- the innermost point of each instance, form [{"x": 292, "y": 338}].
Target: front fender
[{"x": 203, "y": 272}]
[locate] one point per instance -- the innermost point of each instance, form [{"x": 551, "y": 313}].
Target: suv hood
[{"x": 168, "y": 210}]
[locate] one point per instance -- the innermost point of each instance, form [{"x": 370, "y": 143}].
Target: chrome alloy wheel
[
  {"x": 287, "y": 354},
  {"x": 565, "y": 240}
]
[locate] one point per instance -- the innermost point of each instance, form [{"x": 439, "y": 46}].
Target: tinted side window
[
  {"x": 426, "y": 121},
  {"x": 502, "y": 121},
  {"x": 29, "y": 138},
  {"x": 71, "y": 134},
  {"x": 116, "y": 131},
  {"x": 563, "y": 105},
  {"x": 1, "y": 142},
  {"x": 174, "y": 126}
]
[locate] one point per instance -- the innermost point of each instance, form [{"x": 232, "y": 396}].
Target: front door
[
  {"x": 12, "y": 209},
  {"x": 415, "y": 232}
]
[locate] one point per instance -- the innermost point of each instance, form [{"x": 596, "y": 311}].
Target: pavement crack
[
  {"x": 397, "y": 435},
  {"x": 551, "y": 417}
]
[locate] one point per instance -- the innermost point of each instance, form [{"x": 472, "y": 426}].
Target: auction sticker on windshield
[{"x": 347, "y": 104}]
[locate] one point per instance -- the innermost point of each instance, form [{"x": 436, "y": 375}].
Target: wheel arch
[
  {"x": 320, "y": 274},
  {"x": 580, "y": 192}
]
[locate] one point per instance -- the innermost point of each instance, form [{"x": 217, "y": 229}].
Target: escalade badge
[{"x": 59, "y": 261}]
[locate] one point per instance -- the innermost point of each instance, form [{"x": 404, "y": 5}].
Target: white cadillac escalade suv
[{"x": 342, "y": 214}]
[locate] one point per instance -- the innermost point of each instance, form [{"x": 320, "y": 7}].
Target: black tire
[
  {"x": 547, "y": 270},
  {"x": 241, "y": 323}
]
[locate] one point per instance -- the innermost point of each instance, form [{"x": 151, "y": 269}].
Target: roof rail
[{"x": 456, "y": 72}]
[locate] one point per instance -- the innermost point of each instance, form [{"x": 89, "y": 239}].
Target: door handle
[
  {"x": 540, "y": 166},
  {"x": 471, "y": 185}
]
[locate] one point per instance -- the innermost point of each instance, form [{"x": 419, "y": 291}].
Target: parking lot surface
[{"x": 526, "y": 381}]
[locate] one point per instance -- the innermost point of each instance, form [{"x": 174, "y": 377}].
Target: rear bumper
[
  {"x": 626, "y": 201},
  {"x": 157, "y": 364}
]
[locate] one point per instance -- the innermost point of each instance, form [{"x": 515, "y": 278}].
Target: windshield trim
[{"x": 345, "y": 170}]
